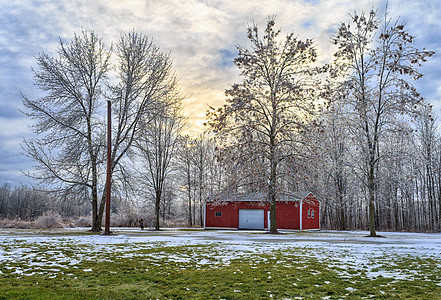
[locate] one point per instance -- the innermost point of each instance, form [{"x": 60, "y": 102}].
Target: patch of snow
[{"x": 347, "y": 252}]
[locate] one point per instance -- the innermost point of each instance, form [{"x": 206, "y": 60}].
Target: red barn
[{"x": 252, "y": 212}]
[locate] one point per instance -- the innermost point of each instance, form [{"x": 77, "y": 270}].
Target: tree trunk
[
  {"x": 201, "y": 177},
  {"x": 342, "y": 218},
  {"x": 273, "y": 225},
  {"x": 371, "y": 191},
  {"x": 201, "y": 208},
  {"x": 98, "y": 215},
  {"x": 164, "y": 210},
  {"x": 272, "y": 195},
  {"x": 341, "y": 206},
  {"x": 96, "y": 221},
  {"x": 190, "y": 218},
  {"x": 102, "y": 206},
  {"x": 157, "y": 208}
]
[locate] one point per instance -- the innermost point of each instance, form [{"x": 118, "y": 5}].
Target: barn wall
[
  {"x": 287, "y": 213},
  {"x": 310, "y": 204},
  {"x": 229, "y": 218},
  {"x": 230, "y": 213}
]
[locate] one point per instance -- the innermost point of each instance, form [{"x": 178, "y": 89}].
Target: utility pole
[{"x": 109, "y": 166}]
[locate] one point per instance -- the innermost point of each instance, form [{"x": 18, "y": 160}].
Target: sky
[{"x": 201, "y": 37}]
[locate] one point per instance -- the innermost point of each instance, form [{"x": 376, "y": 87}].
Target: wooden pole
[{"x": 109, "y": 166}]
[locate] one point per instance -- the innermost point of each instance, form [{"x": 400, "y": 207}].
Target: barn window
[
  {"x": 309, "y": 213},
  {"x": 312, "y": 214},
  {"x": 218, "y": 214}
]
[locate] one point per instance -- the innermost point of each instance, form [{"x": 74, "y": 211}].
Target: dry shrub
[
  {"x": 122, "y": 220},
  {"x": 16, "y": 224},
  {"x": 69, "y": 222},
  {"x": 49, "y": 220},
  {"x": 116, "y": 220},
  {"x": 84, "y": 221},
  {"x": 176, "y": 223}
]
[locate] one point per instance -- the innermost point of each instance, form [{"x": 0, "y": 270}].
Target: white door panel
[{"x": 251, "y": 218}]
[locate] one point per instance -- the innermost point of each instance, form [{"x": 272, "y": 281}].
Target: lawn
[{"x": 179, "y": 264}]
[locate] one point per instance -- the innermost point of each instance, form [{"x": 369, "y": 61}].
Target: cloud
[{"x": 12, "y": 161}]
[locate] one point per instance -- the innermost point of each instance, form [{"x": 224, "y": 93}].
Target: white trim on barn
[
  {"x": 269, "y": 220},
  {"x": 205, "y": 211},
  {"x": 320, "y": 215}
]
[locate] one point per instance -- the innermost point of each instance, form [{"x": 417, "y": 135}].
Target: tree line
[{"x": 355, "y": 131}]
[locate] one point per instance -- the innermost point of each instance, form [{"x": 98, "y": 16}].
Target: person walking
[{"x": 141, "y": 224}]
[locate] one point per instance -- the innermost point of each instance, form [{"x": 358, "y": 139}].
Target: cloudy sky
[{"x": 201, "y": 36}]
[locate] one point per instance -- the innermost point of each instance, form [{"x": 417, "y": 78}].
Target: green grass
[{"x": 155, "y": 271}]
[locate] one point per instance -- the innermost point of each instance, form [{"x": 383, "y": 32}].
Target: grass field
[{"x": 73, "y": 264}]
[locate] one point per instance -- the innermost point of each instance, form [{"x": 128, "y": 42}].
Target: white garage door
[{"x": 251, "y": 218}]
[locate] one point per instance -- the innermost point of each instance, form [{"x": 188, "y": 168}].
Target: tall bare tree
[
  {"x": 427, "y": 136},
  {"x": 158, "y": 145},
  {"x": 271, "y": 104},
  {"x": 146, "y": 80},
  {"x": 70, "y": 126},
  {"x": 186, "y": 168},
  {"x": 379, "y": 64}
]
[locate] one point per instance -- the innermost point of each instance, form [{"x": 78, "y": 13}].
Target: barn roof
[{"x": 258, "y": 197}]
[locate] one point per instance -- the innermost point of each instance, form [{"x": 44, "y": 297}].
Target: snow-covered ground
[{"x": 29, "y": 252}]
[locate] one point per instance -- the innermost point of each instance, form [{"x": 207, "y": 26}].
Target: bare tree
[
  {"x": 380, "y": 78},
  {"x": 333, "y": 163},
  {"x": 70, "y": 127},
  {"x": 271, "y": 104},
  {"x": 200, "y": 162},
  {"x": 69, "y": 148},
  {"x": 146, "y": 79},
  {"x": 426, "y": 133},
  {"x": 158, "y": 145},
  {"x": 186, "y": 168}
]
